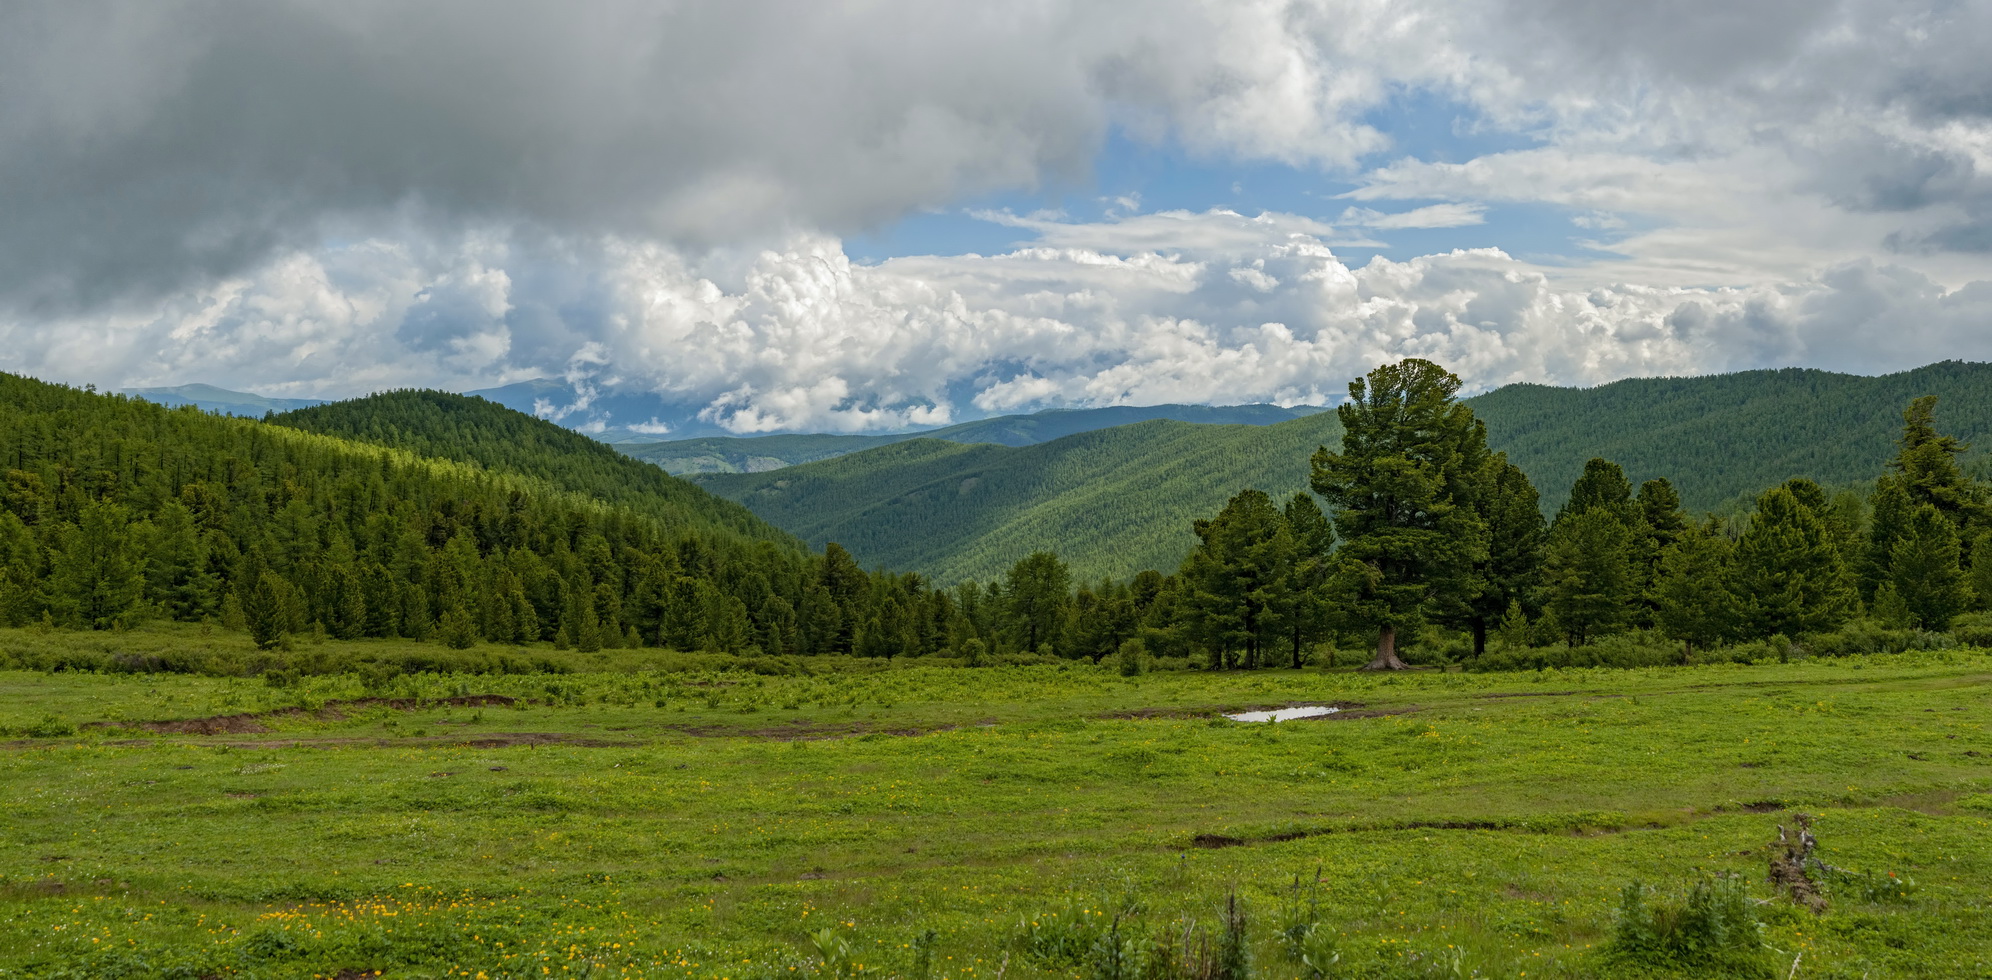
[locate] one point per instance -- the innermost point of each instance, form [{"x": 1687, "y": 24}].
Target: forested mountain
[
  {"x": 209, "y": 398},
  {"x": 1110, "y": 502},
  {"x": 1728, "y": 435},
  {"x": 472, "y": 430},
  {"x": 116, "y": 510},
  {"x": 1114, "y": 501},
  {"x": 759, "y": 454}
]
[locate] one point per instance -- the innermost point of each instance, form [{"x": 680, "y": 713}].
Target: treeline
[
  {"x": 116, "y": 511},
  {"x": 1438, "y": 532}
]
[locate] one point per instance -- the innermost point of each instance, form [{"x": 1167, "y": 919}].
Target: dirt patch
[
  {"x": 249, "y": 723},
  {"x": 487, "y": 740},
  {"x": 1359, "y": 713},
  {"x": 802, "y": 730}
]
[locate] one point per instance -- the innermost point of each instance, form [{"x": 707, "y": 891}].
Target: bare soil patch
[{"x": 251, "y": 722}]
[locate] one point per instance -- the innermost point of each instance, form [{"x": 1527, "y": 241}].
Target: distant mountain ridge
[
  {"x": 209, "y": 398},
  {"x": 760, "y": 454},
  {"x": 1116, "y": 500}
]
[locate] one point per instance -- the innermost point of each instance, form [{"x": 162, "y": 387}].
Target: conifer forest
[{"x": 422, "y": 685}]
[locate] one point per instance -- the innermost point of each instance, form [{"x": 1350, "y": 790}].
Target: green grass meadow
[{"x": 946, "y": 822}]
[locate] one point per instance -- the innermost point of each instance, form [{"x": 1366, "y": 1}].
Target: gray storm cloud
[{"x": 320, "y": 197}]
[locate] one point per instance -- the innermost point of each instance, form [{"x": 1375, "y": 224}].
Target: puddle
[{"x": 1284, "y": 714}]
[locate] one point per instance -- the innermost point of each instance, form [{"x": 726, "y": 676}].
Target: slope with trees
[{"x": 1114, "y": 501}]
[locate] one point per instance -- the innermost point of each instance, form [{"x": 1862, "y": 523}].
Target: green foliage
[
  {"x": 1115, "y": 501},
  {"x": 759, "y": 454},
  {"x": 1924, "y": 571},
  {"x": 496, "y": 439},
  {"x": 1588, "y": 573},
  {"x": 1402, "y": 488},
  {"x": 1692, "y": 591},
  {"x": 1713, "y": 931},
  {"x": 1789, "y": 577}
]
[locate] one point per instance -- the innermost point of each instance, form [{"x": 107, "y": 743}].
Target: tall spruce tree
[
  {"x": 1510, "y": 507},
  {"x": 1927, "y": 463},
  {"x": 1402, "y": 489},
  {"x": 1304, "y": 603},
  {"x": 1037, "y": 595},
  {"x": 1925, "y": 571},
  {"x": 1602, "y": 486},
  {"x": 1695, "y": 602},
  {"x": 98, "y": 575},
  {"x": 1237, "y": 575},
  {"x": 1589, "y": 576},
  {"x": 1791, "y": 579},
  {"x": 1891, "y": 511}
]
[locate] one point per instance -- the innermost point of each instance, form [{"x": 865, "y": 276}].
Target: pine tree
[
  {"x": 1402, "y": 487},
  {"x": 1237, "y": 577},
  {"x": 1979, "y": 576},
  {"x": 97, "y": 576},
  {"x": 457, "y": 629},
  {"x": 21, "y": 599},
  {"x": 1038, "y": 594},
  {"x": 1694, "y": 600},
  {"x": 1892, "y": 511},
  {"x": 1304, "y": 605},
  {"x": 1927, "y": 462},
  {"x": 177, "y": 575},
  {"x": 1513, "y": 630},
  {"x": 1603, "y": 486},
  {"x": 1790, "y": 579},
  {"x": 266, "y": 611},
  {"x": 1589, "y": 576},
  {"x": 1925, "y": 573},
  {"x": 1512, "y": 510}
]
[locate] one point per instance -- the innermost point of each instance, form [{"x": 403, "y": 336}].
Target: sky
[{"x": 868, "y": 215}]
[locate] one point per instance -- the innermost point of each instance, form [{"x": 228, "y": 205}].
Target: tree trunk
[
  {"x": 1687, "y": 652},
  {"x": 1479, "y": 636},
  {"x": 1296, "y": 648},
  {"x": 1386, "y": 651}
]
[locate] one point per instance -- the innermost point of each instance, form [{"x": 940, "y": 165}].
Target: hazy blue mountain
[
  {"x": 759, "y": 454},
  {"x": 212, "y": 399}
]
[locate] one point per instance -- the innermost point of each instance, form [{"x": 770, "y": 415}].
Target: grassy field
[{"x": 933, "y": 822}]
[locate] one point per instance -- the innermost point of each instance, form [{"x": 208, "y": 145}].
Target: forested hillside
[
  {"x": 472, "y": 430},
  {"x": 1728, "y": 435},
  {"x": 759, "y": 454},
  {"x": 1111, "y": 502},
  {"x": 1115, "y": 501},
  {"x": 117, "y": 510}
]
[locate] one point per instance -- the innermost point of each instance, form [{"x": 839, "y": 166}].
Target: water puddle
[{"x": 1285, "y": 714}]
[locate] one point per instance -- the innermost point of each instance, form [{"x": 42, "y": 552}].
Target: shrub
[
  {"x": 1132, "y": 658},
  {"x": 1713, "y": 931}
]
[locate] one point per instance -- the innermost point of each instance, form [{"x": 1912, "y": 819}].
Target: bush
[
  {"x": 1713, "y": 931},
  {"x": 1132, "y": 658}
]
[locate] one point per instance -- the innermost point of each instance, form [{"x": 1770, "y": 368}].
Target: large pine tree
[
  {"x": 1589, "y": 573},
  {"x": 1402, "y": 489},
  {"x": 1790, "y": 576},
  {"x": 1925, "y": 571}
]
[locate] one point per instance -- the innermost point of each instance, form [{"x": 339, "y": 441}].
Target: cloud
[
  {"x": 1451, "y": 215},
  {"x": 312, "y": 197},
  {"x": 801, "y": 337},
  {"x": 147, "y": 146}
]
